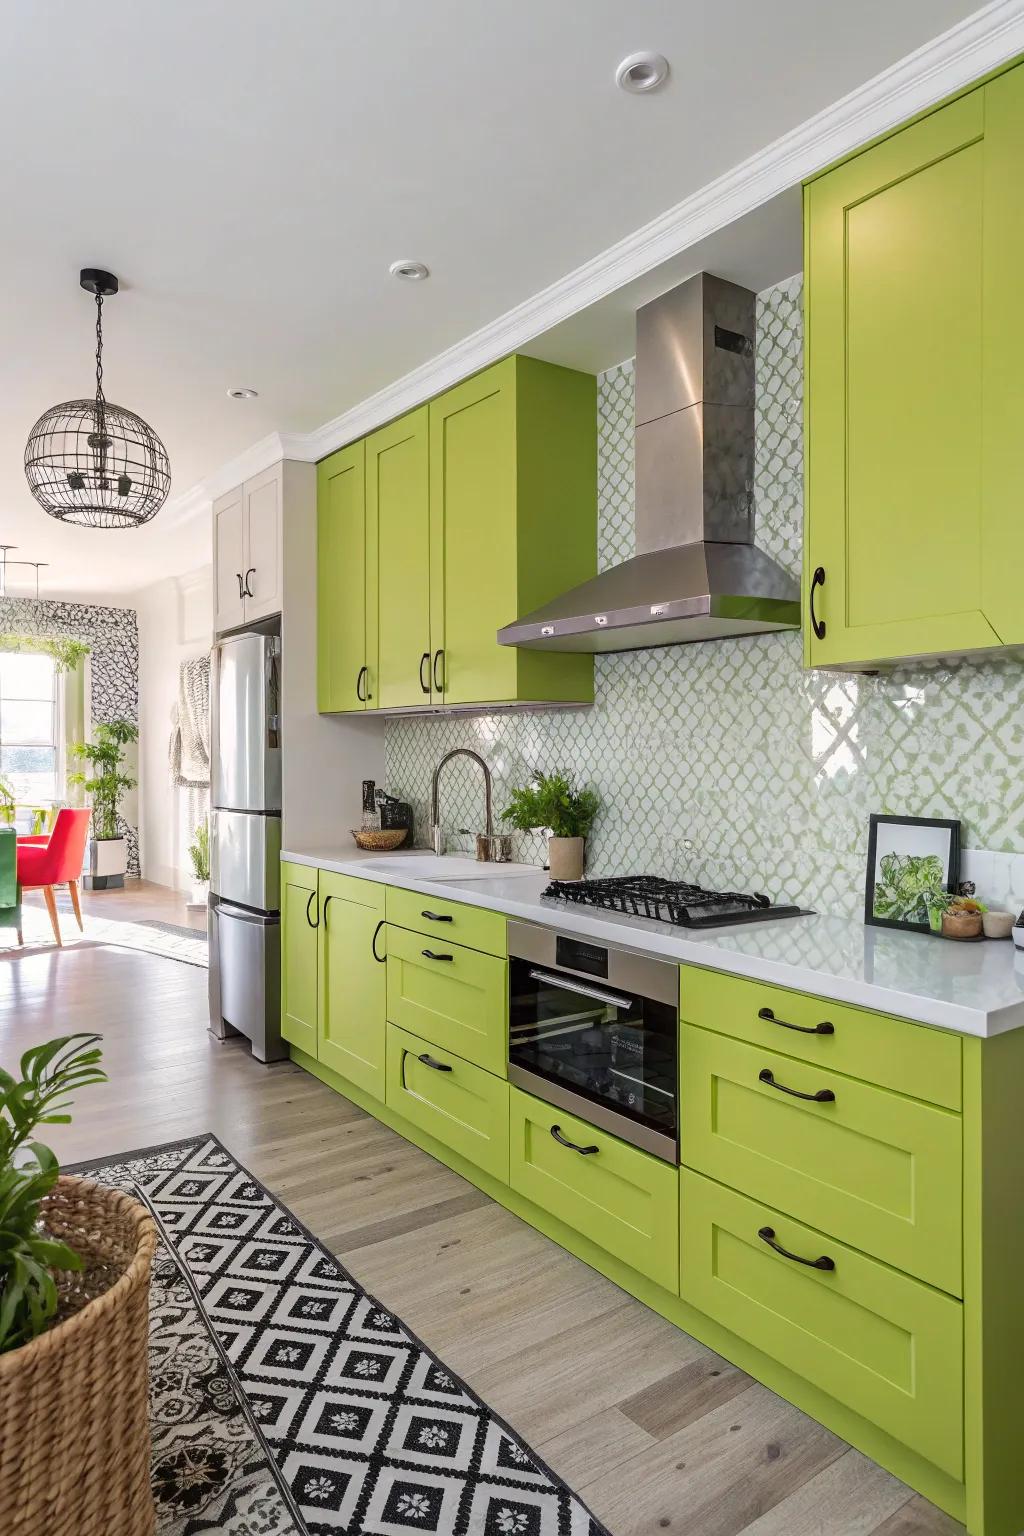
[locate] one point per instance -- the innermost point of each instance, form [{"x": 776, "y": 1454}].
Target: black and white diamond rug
[{"x": 284, "y": 1400}]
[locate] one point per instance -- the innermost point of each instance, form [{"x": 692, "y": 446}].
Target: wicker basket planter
[{"x": 74, "y": 1411}]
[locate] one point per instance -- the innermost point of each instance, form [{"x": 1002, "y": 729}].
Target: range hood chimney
[{"x": 697, "y": 574}]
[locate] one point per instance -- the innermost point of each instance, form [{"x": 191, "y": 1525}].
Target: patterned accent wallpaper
[
  {"x": 725, "y": 762},
  {"x": 113, "y": 635}
]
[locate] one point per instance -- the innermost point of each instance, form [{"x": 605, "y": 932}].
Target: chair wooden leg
[
  {"x": 21, "y": 937},
  {"x": 51, "y": 907},
  {"x": 73, "y": 888}
]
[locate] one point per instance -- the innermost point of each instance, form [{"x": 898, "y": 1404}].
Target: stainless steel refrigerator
[{"x": 245, "y": 843}]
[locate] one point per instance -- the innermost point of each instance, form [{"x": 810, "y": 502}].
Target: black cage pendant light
[{"x": 93, "y": 463}]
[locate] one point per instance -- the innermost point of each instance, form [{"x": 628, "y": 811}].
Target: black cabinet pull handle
[
  {"x": 430, "y": 955},
  {"x": 425, "y": 662},
  {"x": 361, "y": 676},
  {"x": 438, "y": 682},
  {"x": 824, "y": 1028},
  {"x": 309, "y": 903},
  {"x": 563, "y": 1141},
  {"x": 818, "y": 625},
  {"x": 428, "y": 1061},
  {"x": 767, "y": 1235},
  {"x": 248, "y": 590},
  {"x": 437, "y": 917},
  {"x": 327, "y": 903},
  {"x": 823, "y": 1095},
  {"x": 380, "y": 959},
  {"x": 241, "y": 593}
]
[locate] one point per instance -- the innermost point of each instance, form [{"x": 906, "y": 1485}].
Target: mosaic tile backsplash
[{"x": 725, "y": 762}]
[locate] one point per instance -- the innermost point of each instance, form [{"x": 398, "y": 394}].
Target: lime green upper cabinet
[
  {"x": 397, "y": 503},
  {"x": 300, "y": 918},
  {"x": 914, "y": 396},
  {"x": 346, "y": 586},
  {"x": 353, "y": 990},
  {"x": 513, "y": 498}
]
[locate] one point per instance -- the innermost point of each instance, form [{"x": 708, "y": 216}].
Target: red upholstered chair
[{"x": 55, "y": 859}]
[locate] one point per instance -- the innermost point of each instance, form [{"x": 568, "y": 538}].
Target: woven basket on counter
[
  {"x": 74, "y": 1402},
  {"x": 380, "y": 839}
]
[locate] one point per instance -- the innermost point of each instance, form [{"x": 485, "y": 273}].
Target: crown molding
[{"x": 980, "y": 43}]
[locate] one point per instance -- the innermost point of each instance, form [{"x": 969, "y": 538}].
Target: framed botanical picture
[{"x": 909, "y": 858}]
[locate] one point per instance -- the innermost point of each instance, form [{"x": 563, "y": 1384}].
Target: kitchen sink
[{"x": 448, "y": 866}]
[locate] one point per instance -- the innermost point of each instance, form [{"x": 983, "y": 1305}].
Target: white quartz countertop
[{"x": 974, "y": 989}]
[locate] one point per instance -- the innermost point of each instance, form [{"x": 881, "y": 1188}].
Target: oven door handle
[{"x": 577, "y": 986}]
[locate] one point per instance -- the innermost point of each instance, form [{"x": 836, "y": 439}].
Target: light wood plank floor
[{"x": 654, "y": 1431}]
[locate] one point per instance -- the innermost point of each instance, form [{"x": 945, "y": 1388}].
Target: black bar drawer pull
[
  {"x": 823, "y": 1095},
  {"x": 818, "y": 625},
  {"x": 429, "y": 954},
  {"x": 563, "y": 1141},
  {"x": 767, "y": 1235},
  {"x": 380, "y": 959},
  {"x": 309, "y": 903},
  {"x": 425, "y": 662},
  {"x": 824, "y": 1028},
  {"x": 438, "y": 1066},
  {"x": 438, "y": 917}
]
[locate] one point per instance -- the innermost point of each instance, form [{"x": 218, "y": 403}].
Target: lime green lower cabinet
[
  {"x": 436, "y": 918},
  {"x": 300, "y": 918},
  {"x": 352, "y": 984},
  {"x": 621, "y": 1198},
  {"x": 459, "y": 1104},
  {"x": 454, "y": 997},
  {"x": 873, "y": 1167},
  {"x": 885, "y": 1345}
]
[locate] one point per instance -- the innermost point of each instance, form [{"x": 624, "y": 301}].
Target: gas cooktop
[{"x": 669, "y": 901}]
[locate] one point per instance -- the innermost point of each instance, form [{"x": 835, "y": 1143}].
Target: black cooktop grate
[{"x": 669, "y": 901}]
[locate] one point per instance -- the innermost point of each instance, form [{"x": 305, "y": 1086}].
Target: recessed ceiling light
[
  {"x": 243, "y": 394},
  {"x": 642, "y": 72},
  {"x": 409, "y": 271}
]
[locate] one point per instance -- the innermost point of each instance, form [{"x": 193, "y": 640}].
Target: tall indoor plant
[
  {"x": 552, "y": 801},
  {"x": 75, "y": 1261},
  {"x": 107, "y": 784}
]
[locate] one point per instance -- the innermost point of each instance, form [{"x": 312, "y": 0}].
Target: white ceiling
[{"x": 249, "y": 169}]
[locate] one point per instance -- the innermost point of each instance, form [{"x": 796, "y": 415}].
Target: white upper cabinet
[{"x": 247, "y": 551}]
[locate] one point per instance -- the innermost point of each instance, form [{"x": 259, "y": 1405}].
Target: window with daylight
[{"x": 30, "y": 739}]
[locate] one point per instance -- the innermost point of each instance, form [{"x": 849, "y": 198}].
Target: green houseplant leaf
[
  {"x": 552, "y": 801},
  {"x": 40, "y": 1095}
]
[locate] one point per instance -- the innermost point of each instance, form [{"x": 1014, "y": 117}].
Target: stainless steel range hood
[{"x": 697, "y": 574}]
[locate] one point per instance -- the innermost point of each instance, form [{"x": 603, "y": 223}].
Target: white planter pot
[
  {"x": 108, "y": 861},
  {"x": 200, "y": 893}
]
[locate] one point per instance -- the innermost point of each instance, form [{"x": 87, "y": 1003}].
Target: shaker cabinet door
[
  {"x": 914, "y": 391},
  {"x": 262, "y": 512},
  {"x": 228, "y": 562},
  {"x": 346, "y": 611},
  {"x": 397, "y": 498}
]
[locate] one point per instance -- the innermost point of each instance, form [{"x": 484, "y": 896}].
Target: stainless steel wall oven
[{"x": 594, "y": 1030}]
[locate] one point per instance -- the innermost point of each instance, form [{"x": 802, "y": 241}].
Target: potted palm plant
[
  {"x": 75, "y": 1260},
  {"x": 107, "y": 785},
  {"x": 199, "y": 858},
  {"x": 552, "y": 802}
]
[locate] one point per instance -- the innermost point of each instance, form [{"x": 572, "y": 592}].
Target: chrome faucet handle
[{"x": 437, "y": 838}]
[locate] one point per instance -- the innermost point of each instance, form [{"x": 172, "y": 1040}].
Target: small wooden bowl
[
  {"x": 377, "y": 840},
  {"x": 961, "y": 925}
]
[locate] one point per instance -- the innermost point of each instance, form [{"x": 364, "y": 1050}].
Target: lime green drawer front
[
  {"x": 453, "y": 1101},
  {"x": 880, "y": 1171},
  {"x": 474, "y": 927},
  {"x": 887, "y": 1346},
  {"x": 449, "y": 995},
  {"x": 909, "y": 1058},
  {"x": 622, "y": 1199}
]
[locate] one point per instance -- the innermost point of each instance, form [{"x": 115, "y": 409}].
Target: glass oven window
[{"x": 609, "y": 1046}]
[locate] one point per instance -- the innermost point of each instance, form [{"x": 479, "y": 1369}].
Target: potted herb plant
[
  {"x": 199, "y": 857},
  {"x": 75, "y": 1260},
  {"x": 107, "y": 784},
  {"x": 551, "y": 801}
]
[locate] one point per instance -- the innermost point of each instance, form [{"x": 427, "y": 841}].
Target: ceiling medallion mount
[{"x": 93, "y": 463}]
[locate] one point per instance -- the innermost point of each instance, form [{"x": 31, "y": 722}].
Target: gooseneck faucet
[{"x": 436, "y": 834}]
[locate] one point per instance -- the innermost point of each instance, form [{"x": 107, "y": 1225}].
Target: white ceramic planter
[
  {"x": 108, "y": 861},
  {"x": 200, "y": 893}
]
